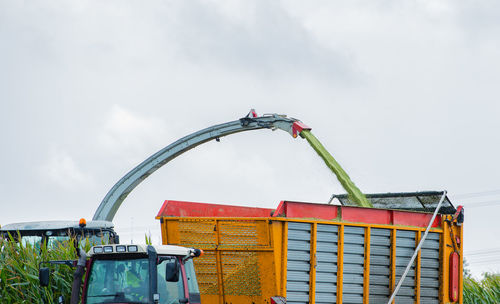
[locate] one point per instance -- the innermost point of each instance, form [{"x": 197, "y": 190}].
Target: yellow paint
[
  {"x": 219, "y": 264},
  {"x": 340, "y": 263},
  {"x": 320, "y": 221},
  {"x": 279, "y": 251},
  {"x": 461, "y": 270},
  {"x": 445, "y": 254},
  {"x": 245, "y": 260},
  {"x": 366, "y": 274},
  {"x": 446, "y": 249},
  {"x": 284, "y": 261},
  {"x": 393, "y": 261},
  {"x": 164, "y": 230},
  {"x": 313, "y": 263}
]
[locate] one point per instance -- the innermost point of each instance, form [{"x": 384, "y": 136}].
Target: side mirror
[
  {"x": 44, "y": 276},
  {"x": 172, "y": 271}
]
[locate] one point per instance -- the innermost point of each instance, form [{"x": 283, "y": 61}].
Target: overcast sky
[{"x": 405, "y": 94}]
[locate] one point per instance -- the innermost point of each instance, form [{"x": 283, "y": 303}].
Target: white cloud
[
  {"x": 130, "y": 134},
  {"x": 404, "y": 94},
  {"x": 262, "y": 39},
  {"x": 61, "y": 169}
]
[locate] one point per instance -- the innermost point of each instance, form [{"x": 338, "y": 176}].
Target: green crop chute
[{"x": 353, "y": 191}]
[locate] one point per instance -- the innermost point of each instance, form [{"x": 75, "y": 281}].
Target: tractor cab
[
  {"x": 52, "y": 233},
  {"x": 132, "y": 273},
  {"x": 141, "y": 274}
]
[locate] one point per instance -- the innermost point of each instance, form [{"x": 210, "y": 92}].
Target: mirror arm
[
  {"x": 186, "y": 258},
  {"x": 70, "y": 263}
]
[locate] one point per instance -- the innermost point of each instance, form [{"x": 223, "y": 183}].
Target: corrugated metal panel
[
  {"x": 298, "y": 263},
  {"x": 354, "y": 258},
  {"x": 380, "y": 265},
  {"x": 405, "y": 247},
  {"x": 429, "y": 269},
  {"x": 326, "y": 267}
]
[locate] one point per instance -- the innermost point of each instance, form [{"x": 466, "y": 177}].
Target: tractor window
[
  {"x": 194, "y": 291},
  {"x": 124, "y": 280},
  {"x": 33, "y": 240},
  {"x": 57, "y": 241},
  {"x": 93, "y": 238},
  {"x": 170, "y": 292}
]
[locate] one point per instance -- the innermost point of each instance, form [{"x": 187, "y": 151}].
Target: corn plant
[
  {"x": 147, "y": 239},
  {"x": 19, "y": 265},
  {"x": 483, "y": 291}
]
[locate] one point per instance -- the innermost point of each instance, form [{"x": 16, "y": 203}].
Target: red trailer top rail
[
  {"x": 180, "y": 209},
  {"x": 300, "y": 210},
  {"x": 355, "y": 214}
]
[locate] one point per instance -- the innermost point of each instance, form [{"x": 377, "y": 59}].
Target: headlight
[{"x": 121, "y": 248}]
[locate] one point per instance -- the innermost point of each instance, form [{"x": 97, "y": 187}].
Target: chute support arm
[{"x": 114, "y": 198}]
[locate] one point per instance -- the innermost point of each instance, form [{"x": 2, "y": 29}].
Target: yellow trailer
[{"x": 319, "y": 253}]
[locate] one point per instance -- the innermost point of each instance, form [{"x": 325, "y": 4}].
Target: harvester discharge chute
[{"x": 114, "y": 198}]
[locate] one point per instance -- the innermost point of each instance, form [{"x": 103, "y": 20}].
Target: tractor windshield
[
  {"x": 127, "y": 281},
  {"x": 118, "y": 281}
]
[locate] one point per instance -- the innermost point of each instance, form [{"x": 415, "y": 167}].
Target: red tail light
[{"x": 454, "y": 273}]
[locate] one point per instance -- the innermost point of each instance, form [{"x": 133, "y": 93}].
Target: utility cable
[
  {"x": 476, "y": 194},
  {"x": 481, "y": 204}
]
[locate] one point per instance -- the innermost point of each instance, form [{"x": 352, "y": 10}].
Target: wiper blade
[
  {"x": 105, "y": 295},
  {"x": 120, "y": 301}
]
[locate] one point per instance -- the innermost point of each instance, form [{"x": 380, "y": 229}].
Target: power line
[
  {"x": 493, "y": 262},
  {"x": 481, "y": 204},
  {"x": 476, "y": 194},
  {"x": 483, "y": 259},
  {"x": 480, "y": 254},
  {"x": 481, "y": 250},
  {"x": 495, "y": 254}
]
